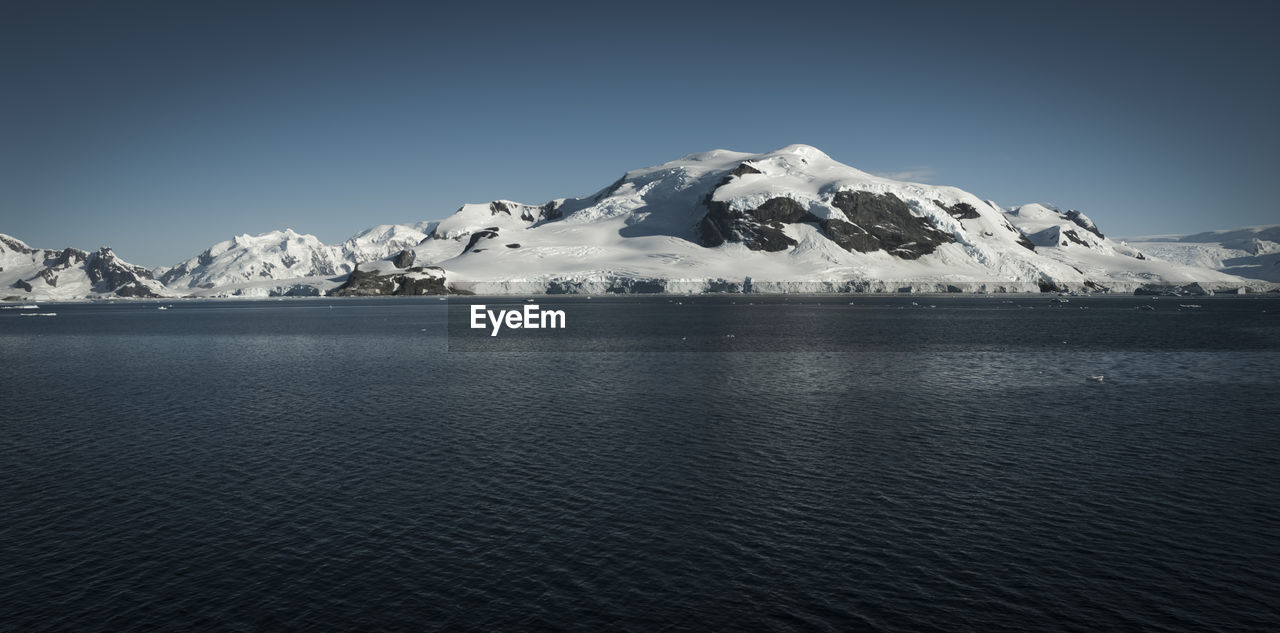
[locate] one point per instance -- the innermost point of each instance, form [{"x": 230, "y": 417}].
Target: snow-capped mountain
[
  {"x": 285, "y": 262},
  {"x": 789, "y": 220},
  {"x": 45, "y": 274},
  {"x": 1252, "y": 252}
]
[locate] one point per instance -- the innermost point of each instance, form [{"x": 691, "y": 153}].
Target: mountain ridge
[{"x": 790, "y": 220}]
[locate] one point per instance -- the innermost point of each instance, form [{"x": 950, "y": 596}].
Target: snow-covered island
[{"x": 790, "y": 220}]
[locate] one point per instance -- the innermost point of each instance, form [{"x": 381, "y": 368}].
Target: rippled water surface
[{"x": 883, "y": 466}]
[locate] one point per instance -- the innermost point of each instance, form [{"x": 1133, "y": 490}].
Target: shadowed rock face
[
  {"x": 480, "y": 235},
  {"x": 14, "y": 245},
  {"x": 959, "y": 210},
  {"x": 109, "y": 274},
  {"x": 548, "y": 211},
  {"x": 849, "y": 237},
  {"x": 1083, "y": 222},
  {"x": 362, "y": 283},
  {"x": 1074, "y": 237},
  {"x": 722, "y": 224},
  {"x": 135, "y": 289},
  {"x": 888, "y": 220},
  {"x": 637, "y": 286},
  {"x": 875, "y": 222},
  {"x": 404, "y": 259}
]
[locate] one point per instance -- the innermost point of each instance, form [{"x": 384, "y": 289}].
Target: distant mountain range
[
  {"x": 791, "y": 220},
  {"x": 1252, "y": 252}
]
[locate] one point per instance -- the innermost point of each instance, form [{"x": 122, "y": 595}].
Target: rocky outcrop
[
  {"x": 486, "y": 234},
  {"x": 528, "y": 213},
  {"x": 960, "y": 210},
  {"x": 1083, "y": 222},
  {"x": 403, "y": 259},
  {"x": 428, "y": 280},
  {"x": 874, "y": 222},
  {"x": 889, "y": 222}
]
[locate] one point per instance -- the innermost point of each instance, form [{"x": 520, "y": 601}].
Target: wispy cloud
[{"x": 915, "y": 174}]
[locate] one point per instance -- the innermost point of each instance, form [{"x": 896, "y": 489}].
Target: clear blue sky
[{"x": 162, "y": 127}]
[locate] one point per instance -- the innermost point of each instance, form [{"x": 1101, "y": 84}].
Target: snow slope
[
  {"x": 1251, "y": 252},
  {"x": 285, "y": 262},
  {"x": 788, "y": 220}
]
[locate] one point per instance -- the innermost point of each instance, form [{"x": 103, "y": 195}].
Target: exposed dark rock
[
  {"x": 850, "y": 237},
  {"x": 637, "y": 286},
  {"x": 744, "y": 168},
  {"x": 888, "y": 219},
  {"x": 497, "y": 207},
  {"x": 14, "y": 245},
  {"x": 489, "y": 233},
  {"x": 47, "y": 274},
  {"x": 617, "y": 184},
  {"x": 724, "y": 285},
  {"x": 1140, "y": 256},
  {"x": 723, "y": 224},
  {"x": 1049, "y": 286},
  {"x": 876, "y": 222},
  {"x": 404, "y": 259},
  {"x": 513, "y": 246},
  {"x": 781, "y": 210},
  {"x": 22, "y": 284},
  {"x": 136, "y": 289},
  {"x": 1024, "y": 242},
  {"x": 297, "y": 290},
  {"x": 959, "y": 210},
  {"x": 363, "y": 283},
  {"x": 1083, "y": 222},
  {"x": 108, "y": 273},
  {"x": 548, "y": 211},
  {"x": 1074, "y": 237},
  {"x": 564, "y": 287},
  {"x": 65, "y": 258}
]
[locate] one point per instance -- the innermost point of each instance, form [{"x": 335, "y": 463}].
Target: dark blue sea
[{"x": 838, "y": 463}]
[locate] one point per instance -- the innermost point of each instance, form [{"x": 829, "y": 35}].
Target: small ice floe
[
  {"x": 162, "y": 308},
  {"x": 528, "y": 300},
  {"x": 1190, "y": 306},
  {"x": 1145, "y": 307},
  {"x": 914, "y": 303},
  {"x": 1098, "y": 378},
  {"x": 1059, "y": 300},
  {"x": 729, "y": 336},
  {"x": 38, "y": 314},
  {"x": 29, "y": 306}
]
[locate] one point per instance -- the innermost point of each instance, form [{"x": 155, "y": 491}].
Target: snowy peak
[
  {"x": 285, "y": 262},
  {"x": 69, "y": 273}
]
